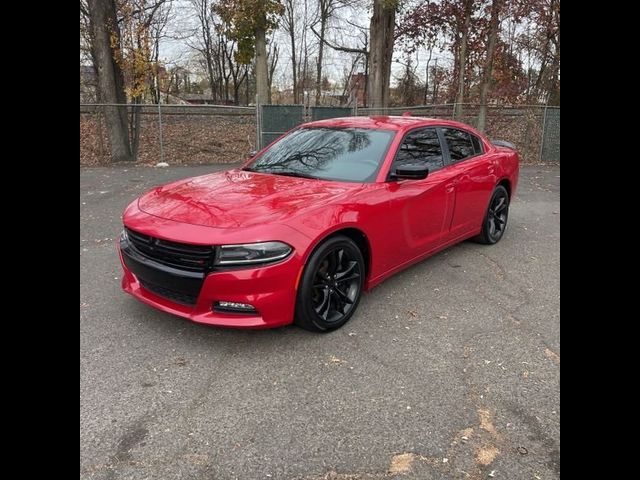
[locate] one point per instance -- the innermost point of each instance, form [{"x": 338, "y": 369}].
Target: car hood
[{"x": 237, "y": 198}]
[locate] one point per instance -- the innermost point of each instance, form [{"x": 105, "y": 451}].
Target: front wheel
[
  {"x": 331, "y": 285},
  {"x": 495, "y": 220}
]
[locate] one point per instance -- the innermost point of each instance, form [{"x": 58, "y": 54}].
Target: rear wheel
[
  {"x": 495, "y": 220},
  {"x": 331, "y": 285}
]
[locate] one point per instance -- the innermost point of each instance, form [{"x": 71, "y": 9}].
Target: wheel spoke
[
  {"x": 323, "y": 308},
  {"x": 350, "y": 278},
  {"x": 334, "y": 262},
  {"x": 338, "y": 302},
  {"x": 343, "y": 296},
  {"x": 499, "y": 204},
  {"x": 492, "y": 226},
  {"x": 349, "y": 269}
]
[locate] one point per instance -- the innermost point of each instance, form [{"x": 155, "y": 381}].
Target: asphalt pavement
[{"x": 448, "y": 370}]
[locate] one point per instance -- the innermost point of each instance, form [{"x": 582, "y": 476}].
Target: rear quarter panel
[{"x": 509, "y": 167}]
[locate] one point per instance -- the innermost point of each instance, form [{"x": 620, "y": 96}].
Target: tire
[
  {"x": 495, "y": 220},
  {"x": 331, "y": 285}
]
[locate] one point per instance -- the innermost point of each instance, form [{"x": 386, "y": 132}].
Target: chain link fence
[
  {"x": 204, "y": 134},
  {"x": 177, "y": 134}
]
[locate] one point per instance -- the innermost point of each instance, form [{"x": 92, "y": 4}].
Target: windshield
[{"x": 344, "y": 154}]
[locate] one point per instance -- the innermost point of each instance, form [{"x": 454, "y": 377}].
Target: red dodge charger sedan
[{"x": 307, "y": 224}]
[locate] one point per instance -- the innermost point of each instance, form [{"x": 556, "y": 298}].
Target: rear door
[{"x": 473, "y": 173}]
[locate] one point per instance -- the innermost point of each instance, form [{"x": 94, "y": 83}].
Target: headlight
[{"x": 252, "y": 253}]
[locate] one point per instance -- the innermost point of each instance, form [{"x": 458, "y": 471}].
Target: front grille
[
  {"x": 172, "y": 295},
  {"x": 193, "y": 258}
]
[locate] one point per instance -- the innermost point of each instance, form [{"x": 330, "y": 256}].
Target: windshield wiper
[
  {"x": 284, "y": 173},
  {"x": 292, "y": 173}
]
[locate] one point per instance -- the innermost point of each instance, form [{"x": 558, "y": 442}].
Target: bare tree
[
  {"x": 361, "y": 53},
  {"x": 224, "y": 52},
  {"x": 206, "y": 44},
  {"x": 544, "y": 44},
  {"x": 494, "y": 27},
  {"x": 237, "y": 71},
  {"x": 157, "y": 29},
  {"x": 326, "y": 9},
  {"x": 462, "y": 57},
  {"x": 272, "y": 55},
  {"x": 304, "y": 52},
  {"x": 408, "y": 89},
  {"x": 348, "y": 74},
  {"x": 289, "y": 25}
]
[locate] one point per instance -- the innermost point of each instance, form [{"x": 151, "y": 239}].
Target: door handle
[
  {"x": 449, "y": 188},
  {"x": 492, "y": 169}
]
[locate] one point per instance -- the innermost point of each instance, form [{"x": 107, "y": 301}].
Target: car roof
[{"x": 384, "y": 122}]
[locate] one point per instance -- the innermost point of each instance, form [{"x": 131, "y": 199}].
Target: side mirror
[
  {"x": 410, "y": 172},
  {"x": 252, "y": 154}
]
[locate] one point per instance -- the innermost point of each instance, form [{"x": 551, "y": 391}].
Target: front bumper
[{"x": 271, "y": 289}]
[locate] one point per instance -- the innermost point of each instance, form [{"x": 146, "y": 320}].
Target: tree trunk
[
  {"x": 262, "y": 80},
  {"x": 426, "y": 81},
  {"x": 435, "y": 82},
  {"x": 210, "y": 73},
  {"x": 462, "y": 65},
  {"x": 554, "y": 84},
  {"x": 104, "y": 25},
  {"x": 207, "y": 50},
  {"x": 323, "y": 25},
  {"x": 494, "y": 26},
  {"x": 382, "y": 37},
  {"x": 246, "y": 85},
  {"x": 237, "y": 83},
  {"x": 294, "y": 63}
]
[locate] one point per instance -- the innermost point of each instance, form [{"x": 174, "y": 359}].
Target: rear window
[
  {"x": 477, "y": 144},
  {"x": 460, "y": 144}
]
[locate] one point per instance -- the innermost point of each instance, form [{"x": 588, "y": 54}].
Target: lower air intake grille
[{"x": 177, "y": 297}]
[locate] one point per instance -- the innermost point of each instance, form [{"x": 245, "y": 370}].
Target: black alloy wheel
[
  {"x": 495, "y": 221},
  {"x": 331, "y": 285}
]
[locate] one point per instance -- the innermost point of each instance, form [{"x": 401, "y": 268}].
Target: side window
[
  {"x": 477, "y": 145},
  {"x": 459, "y": 142},
  {"x": 420, "y": 147}
]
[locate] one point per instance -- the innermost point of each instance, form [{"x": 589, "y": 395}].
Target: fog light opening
[{"x": 233, "y": 307}]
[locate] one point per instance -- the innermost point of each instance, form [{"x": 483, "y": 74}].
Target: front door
[{"x": 419, "y": 211}]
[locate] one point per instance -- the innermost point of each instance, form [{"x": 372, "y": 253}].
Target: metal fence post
[
  {"x": 160, "y": 131},
  {"x": 258, "y": 125},
  {"x": 544, "y": 125}
]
